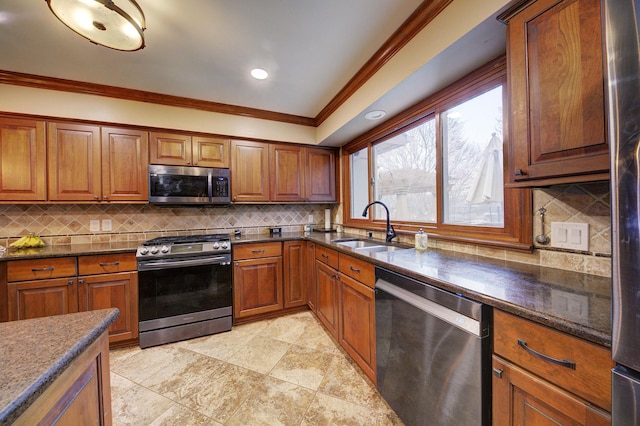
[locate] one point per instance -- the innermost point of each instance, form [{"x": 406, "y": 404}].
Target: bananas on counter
[{"x": 28, "y": 241}]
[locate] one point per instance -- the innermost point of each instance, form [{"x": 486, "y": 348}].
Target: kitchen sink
[{"x": 365, "y": 246}]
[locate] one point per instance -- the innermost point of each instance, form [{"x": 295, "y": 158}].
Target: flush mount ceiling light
[
  {"x": 376, "y": 114},
  {"x": 259, "y": 74},
  {"x": 103, "y": 22}
]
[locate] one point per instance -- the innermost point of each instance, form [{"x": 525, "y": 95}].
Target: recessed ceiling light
[
  {"x": 259, "y": 74},
  {"x": 376, "y": 114}
]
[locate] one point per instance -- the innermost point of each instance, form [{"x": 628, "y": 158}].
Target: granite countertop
[
  {"x": 576, "y": 303},
  {"x": 34, "y": 352},
  {"x": 61, "y": 250}
]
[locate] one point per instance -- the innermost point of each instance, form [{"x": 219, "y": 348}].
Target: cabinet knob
[
  {"x": 498, "y": 372},
  {"x": 70, "y": 282},
  {"x": 519, "y": 172},
  {"x": 104, "y": 197}
]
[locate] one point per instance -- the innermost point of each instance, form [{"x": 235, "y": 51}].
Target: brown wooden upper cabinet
[
  {"x": 185, "y": 150},
  {"x": 263, "y": 172},
  {"x": 22, "y": 160},
  {"x": 556, "y": 86},
  {"x": 89, "y": 163}
]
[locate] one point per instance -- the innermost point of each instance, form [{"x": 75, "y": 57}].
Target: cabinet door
[
  {"x": 42, "y": 298},
  {"x": 327, "y": 302},
  {"x": 210, "y": 152},
  {"x": 295, "y": 273},
  {"x": 287, "y": 172},
  {"x": 320, "y": 175},
  {"x": 357, "y": 324},
  {"x": 520, "y": 398},
  {"x": 312, "y": 292},
  {"x": 250, "y": 171},
  {"x": 73, "y": 156},
  {"x": 22, "y": 160},
  {"x": 169, "y": 149},
  {"x": 125, "y": 160},
  {"x": 557, "y": 91},
  {"x": 257, "y": 286},
  {"x": 112, "y": 291}
]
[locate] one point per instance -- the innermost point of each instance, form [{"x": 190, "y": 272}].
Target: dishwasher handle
[{"x": 452, "y": 317}]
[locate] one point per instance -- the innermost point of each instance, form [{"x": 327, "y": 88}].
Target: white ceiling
[{"x": 204, "y": 49}]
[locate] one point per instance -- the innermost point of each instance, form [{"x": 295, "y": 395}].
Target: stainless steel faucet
[{"x": 391, "y": 233}]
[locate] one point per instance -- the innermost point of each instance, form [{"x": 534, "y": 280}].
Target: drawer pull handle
[
  {"x": 116, "y": 263},
  {"x": 48, "y": 268},
  {"x": 257, "y": 251},
  {"x": 561, "y": 362},
  {"x": 325, "y": 256},
  {"x": 498, "y": 372},
  {"x": 354, "y": 269}
]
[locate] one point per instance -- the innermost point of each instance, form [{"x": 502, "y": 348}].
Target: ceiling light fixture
[
  {"x": 375, "y": 114},
  {"x": 103, "y": 22},
  {"x": 259, "y": 74}
]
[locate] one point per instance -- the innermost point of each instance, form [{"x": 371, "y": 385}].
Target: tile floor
[{"x": 283, "y": 371}]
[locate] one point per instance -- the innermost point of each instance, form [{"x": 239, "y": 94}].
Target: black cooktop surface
[{"x": 187, "y": 239}]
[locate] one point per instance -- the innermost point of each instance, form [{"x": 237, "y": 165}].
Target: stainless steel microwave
[{"x": 188, "y": 185}]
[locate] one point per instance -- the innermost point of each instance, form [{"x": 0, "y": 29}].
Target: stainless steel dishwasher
[{"x": 433, "y": 353}]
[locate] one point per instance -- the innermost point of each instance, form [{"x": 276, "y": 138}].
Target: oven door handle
[{"x": 165, "y": 264}]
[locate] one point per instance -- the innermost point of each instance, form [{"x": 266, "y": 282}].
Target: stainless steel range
[{"x": 184, "y": 286}]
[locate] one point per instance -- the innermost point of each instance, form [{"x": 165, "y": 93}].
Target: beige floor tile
[
  {"x": 142, "y": 363},
  {"x": 260, "y": 354},
  {"x": 221, "y": 396},
  {"x": 316, "y": 337},
  {"x": 138, "y": 406},
  {"x": 330, "y": 411},
  {"x": 302, "y": 366},
  {"x": 178, "y": 415},
  {"x": 255, "y": 328},
  {"x": 119, "y": 384},
  {"x": 344, "y": 380},
  {"x": 220, "y": 346},
  {"x": 289, "y": 328},
  {"x": 275, "y": 403}
]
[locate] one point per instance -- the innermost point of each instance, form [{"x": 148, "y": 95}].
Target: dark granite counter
[
  {"x": 578, "y": 304},
  {"x": 61, "y": 250},
  {"x": 33, "y": 353}
]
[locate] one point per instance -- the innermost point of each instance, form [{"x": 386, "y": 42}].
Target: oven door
[{"x": 185, "y": 290}]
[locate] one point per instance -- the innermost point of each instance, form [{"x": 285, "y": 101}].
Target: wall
[
  {"x": 69, "y": 223},
  {"x": 588, "y": 203}
]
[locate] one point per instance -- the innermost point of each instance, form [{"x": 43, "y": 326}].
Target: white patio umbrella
[{"x": 488, "y": 185}]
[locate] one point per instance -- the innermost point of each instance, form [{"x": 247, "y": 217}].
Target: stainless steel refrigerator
[{"x": 622, "y": 18}]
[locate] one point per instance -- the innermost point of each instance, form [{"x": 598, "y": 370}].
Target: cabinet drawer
[
  {"x": 255, "y": 251},
  {"x": 358, "y": 269},
  {"x": 38, "y": 269},
  {"x": 327, "y": 255},
  {"x": 589, "y": 377},
  {"x": 107, "y": 263}
]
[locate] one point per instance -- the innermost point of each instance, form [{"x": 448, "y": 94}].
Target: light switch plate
[
  {"x": 569, "y": 235},
  {"x": 106, "y": 224},
  {"x": 94, "y": 225}
]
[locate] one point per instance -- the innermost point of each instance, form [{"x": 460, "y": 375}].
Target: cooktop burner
[
  {"x": 187, "y": 239},
  {"x": 184, "y": 245}
]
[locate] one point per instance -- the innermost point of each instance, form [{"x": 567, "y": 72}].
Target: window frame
[{"x": 517, "y": 230}]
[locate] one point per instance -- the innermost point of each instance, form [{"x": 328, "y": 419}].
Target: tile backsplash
[{"x": 70, "y": 223}]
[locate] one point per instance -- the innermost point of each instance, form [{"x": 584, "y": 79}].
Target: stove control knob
[
  {"x": 216, "y": 246},
  {"x": 165, "y": 249},
  {"x": 154, "y": 250},
  {"x": 225, "y": 245},
  {"x": 144, "y": 250}
]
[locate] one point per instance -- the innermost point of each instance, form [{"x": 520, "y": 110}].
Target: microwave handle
[{"x": 210, "y": 186}]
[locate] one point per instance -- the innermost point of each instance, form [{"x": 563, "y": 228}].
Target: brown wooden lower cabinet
[
  {"x": 312, "y": 291},
  {"x": 257, "y": 286},
  {"x": 327, "y": 307},
  {"x": 357, "y": 324},
  {"x": 521, "y": 398},
  {"x": 295, "y": 273},
  {"x": 42, "y": 298},
  {"x": 112, "y": 291},
  {"x": 81, "y": 395}
]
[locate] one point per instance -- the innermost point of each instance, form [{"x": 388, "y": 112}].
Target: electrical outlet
[
  {"x": 94, "y": 225},
  {"x": 106, "y": 224},
  {"x": 310, "y": 219},
  {"x": 568, "y": 235}
]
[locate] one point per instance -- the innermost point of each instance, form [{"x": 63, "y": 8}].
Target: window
[{"x": 440, "y": 166}]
